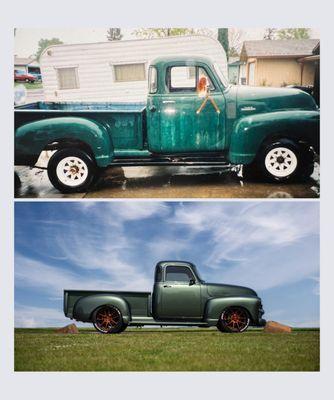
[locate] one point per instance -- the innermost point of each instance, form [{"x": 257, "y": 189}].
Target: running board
[
  {"x": 151, "y": 321},
  {"x": 170, "y": 161}
]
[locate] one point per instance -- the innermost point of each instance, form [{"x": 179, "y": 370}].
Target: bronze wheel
[
  {"x": 108, "y": 319},
  {"x": 234, "y": 320}
]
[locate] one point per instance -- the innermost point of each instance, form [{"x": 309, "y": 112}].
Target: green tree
[
  {"x": 114, "y": 34},
  {"x": 294, "y": 33},
  {"x": 44, "y": 43},
  {"x": 223, "y": 39},
  {"x": 149, "y": 33}
]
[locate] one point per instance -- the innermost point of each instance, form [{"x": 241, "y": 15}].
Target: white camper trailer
[{"x": 115, "y": 71}]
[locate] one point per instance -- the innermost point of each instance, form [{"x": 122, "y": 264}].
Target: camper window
[
  {"x": 68, "y": 78},
  {"x": 129, "y": 72}
]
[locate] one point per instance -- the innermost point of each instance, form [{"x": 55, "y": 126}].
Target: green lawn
[
  {"x": 30, "y": 86},
  {"x": 166, "y": 350}
]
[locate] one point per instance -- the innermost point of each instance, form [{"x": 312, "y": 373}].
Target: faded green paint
[
  {"x": 171, "y": 303},
  {"x": 169, "y": 123}
]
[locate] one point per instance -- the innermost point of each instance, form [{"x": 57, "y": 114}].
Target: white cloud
[
  {"x": 53, "y": 280},
  {"x": 130, "y": 210},
  {"x": 35, "y": 317}
]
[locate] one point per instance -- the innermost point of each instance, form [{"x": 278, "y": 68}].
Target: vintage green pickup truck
[
  {"x": 180, "y": 297},
  {"x": 192, "y": 117}
]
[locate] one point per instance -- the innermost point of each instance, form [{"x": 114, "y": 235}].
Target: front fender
[
  {"x": 251, "y": 131},
  {"x": 214, "y": 308},
  {"x": 32, "y": 138},
  {"x": 85, "y": 306}
]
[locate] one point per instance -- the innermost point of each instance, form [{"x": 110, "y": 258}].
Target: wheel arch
[
  {"x": 65, "y": 143},
  {"x": 52, "y": 133},
  {"x": 215, "y": 307},
  {"x": 252, "y": 132},
  {"x": 85, "y": 307}
]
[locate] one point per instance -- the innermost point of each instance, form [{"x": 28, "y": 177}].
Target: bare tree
[
  {"x": 235, "y": 42},
  {"x": 270, "y": 34}
]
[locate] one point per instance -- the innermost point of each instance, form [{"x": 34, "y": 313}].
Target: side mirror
[{"x": 192, "y": 282}]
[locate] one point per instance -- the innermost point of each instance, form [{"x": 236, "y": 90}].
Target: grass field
[
  {"x": 166, "y": 350},
  {"x": 36, "y": 85}
]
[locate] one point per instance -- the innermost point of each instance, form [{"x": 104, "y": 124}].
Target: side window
[
  {"x": 201, "y": 73},
  {"x": 178, "y": 274},
  {"x": 186, "y": 78},
  {"x": 68, "y": 78},
  {"x": 182, "y": 79},
  {"x": 152, "y": 80}
]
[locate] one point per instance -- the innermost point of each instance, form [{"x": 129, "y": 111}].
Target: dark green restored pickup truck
[
  {"x": 192, "y": 117},
  {"x": 180, "y": 297}
]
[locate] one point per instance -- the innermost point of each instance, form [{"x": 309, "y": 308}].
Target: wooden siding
[{"x": 281, "y": 72}]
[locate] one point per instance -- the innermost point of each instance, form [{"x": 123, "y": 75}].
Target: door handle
[
  {"x": 168, "y": 102},
  {"x": 152, "y": 108},
  {"x": 167, "y": 285}
]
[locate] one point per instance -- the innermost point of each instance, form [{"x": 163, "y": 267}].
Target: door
[
  {"x": 251, "y": 74},
  {"x": 181, "y": 125},
  {"x": 181, "y": 294}
]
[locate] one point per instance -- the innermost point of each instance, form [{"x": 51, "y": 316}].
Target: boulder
[
  {"x": 72, "y": 328},
  {"x": 275, "y": 327}
]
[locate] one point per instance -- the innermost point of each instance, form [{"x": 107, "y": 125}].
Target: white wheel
[
  {"x": 72, "y": 171},
  {"x": 281, "y": 162}
]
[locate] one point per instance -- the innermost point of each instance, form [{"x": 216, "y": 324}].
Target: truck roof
[
  {"x": 189, "y": 58},
  {"x": 177, "y": 263}
]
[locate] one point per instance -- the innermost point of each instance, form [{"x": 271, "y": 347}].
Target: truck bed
[
  {"x": 83, "y": 106},
  {"x": 125, "y": 122},
  {"x": 139, "y": 302}
]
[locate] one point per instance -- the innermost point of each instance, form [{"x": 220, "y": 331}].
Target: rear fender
[
  {"x": 214, "y": 307},
  {"x": 32, "y": 138},
  {"x": 252, "y": 131},
  {"x": 83, "y": 309}
]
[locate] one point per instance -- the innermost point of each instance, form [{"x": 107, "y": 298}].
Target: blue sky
[{"x": 272, "y": 247}]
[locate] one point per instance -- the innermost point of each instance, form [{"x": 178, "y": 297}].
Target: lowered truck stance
[
  {"x": 192, "y": 117},
  {"x": 180, "y": 297}
]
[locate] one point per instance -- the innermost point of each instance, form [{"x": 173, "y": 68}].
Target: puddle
[{"x": 169, "y": 182}]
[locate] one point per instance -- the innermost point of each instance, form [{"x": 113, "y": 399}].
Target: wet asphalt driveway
[{"x": 168, "y": 182}]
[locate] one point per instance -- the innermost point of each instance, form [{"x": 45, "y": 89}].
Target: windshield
[{"x": 221, "y": 75}]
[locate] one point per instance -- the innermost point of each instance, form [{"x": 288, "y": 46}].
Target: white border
[{"x": 167, "y": 385}]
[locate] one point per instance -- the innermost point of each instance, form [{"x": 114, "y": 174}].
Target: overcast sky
[
  {"x": 272, "y": 247},
  {"x": 26, "y": 39}
]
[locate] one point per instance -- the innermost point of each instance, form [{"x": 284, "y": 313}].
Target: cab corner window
[
  {"x": 158, "y": 274},
  {"x": 152, "y": 80},
  {"x": 178, "y": 274}
]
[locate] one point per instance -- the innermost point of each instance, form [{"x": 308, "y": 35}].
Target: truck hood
[
  {"x": 221, "y": 290},
  {"x": 254, "y": 100}
]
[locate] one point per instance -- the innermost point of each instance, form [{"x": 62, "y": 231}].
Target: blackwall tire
[
  {"x": 108, "y": 319},
  {"x": 234, "y": 320},
  {"x": 71, "y": 170}
]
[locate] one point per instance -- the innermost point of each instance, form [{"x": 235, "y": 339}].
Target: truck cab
[{"x": 176, "y": 122}]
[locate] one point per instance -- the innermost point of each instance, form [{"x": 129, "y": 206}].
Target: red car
[{"x": 22, "y": 76}]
